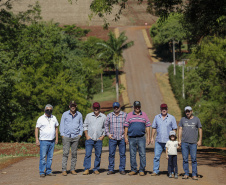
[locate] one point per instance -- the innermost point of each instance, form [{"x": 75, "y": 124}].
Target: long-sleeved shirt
[
  {"x": 71, "y": 126},
  {"x": 163, "y": 127},
  {"x": 114, "y": 125},
  {"x": 94, "y": 125}
]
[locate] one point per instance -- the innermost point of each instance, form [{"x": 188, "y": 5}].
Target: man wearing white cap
[{"x": 189, "y": 127}]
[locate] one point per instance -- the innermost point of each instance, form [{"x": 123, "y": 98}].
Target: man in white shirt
[{"x": 47, "y": 125}]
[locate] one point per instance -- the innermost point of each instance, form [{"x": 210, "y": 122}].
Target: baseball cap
[
  {"x": 172, "y": 133},
  {"x": 163, "y": 106},
  {"x": 96, "y": 105},
  {"x": 137, "y": 104},
  {"x": 187, "y": 108},
  {"x": 72, "y": 103},
  {"x": 116, "y": 104}
]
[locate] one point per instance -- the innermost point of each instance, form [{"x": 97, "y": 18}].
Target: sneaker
[
  {"x": 96, "y": 172},
  {"x": 170, "y": 175},
  {"x": 64, "y": 173},
  {"x": 86, "y": 172},
  {"x": 176, "y": 176},
  {"x": 132, "y": 173},
  {"x": 122, "y": 172},
  {"x": 42, "y": 175},
  {"x": 194, "y": 178},
  {"x": 185, "y": 177},
  {"x": 73, "y": 172},
  {"x": 50, "y": 174},
  {"x": 110, "y": 173},
  {"x": 154, "y": 174},
  {"x": 141, "y": 173}
]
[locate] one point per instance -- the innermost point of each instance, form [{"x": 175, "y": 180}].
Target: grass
[
  {"x": 105, "y": 96},
  {"x": 168, "y": 96}
]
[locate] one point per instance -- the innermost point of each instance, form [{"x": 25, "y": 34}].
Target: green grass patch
[{"x": 105, "y": 96}]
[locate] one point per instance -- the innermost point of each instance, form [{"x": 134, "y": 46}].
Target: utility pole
[
  {"x": 183, "y": 95},
  {"x": 174, "y": 62}
]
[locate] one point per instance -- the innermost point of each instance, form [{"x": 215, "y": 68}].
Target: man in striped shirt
[
  {"x": 136, "y": 124},
  {"x": 114, "y": 129}
]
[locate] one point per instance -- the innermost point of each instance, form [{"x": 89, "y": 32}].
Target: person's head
[
  {"x": 172, "y": 135},
  {"x": 48, "y": 110},
  {"x": 164, "y": 109},
  {"x": 72, "y": 106},
  {"x": 137, "y": 106},
  {"x": 188, "y": 111},
  {"x": 116, "y": 107},
  {"x": 96, "y": 108}
]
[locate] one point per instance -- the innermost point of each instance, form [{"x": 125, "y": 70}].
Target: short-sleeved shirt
[
  {"x": 190, "y": 129},
  {"x": 172, "y": 147},
  {"x": 71, "y": 126},
  {"x": 163, "y": 127},
  {"x": 136, "y": 124},
  {"x": 114, "y": 125},
  {"x": 95, "y": 125},
  {"x": 47, "y": 127}
]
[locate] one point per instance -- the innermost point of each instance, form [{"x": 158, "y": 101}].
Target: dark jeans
[
  {"x": 90, "y": 144},
  {"x": 122, "y": 152},
  {"x": 172, "y": 164}
]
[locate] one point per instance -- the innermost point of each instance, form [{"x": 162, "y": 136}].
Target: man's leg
[
  {"x": 122, "y": 153},
  {"x": 193, "y": 152},
  {"x": 185, "y": 152},
  {"x": 51, "y": 145},
  {"x": 111, "y": 158},
  {"x": 98, "y": 151},
  {"x": 158, "y": 151},
  {"x": 87, "y": 160},
  {"x": 133, "y": 152},
  {"x": 142, "y": 153},
  {"x": 66, "y": 149},
  {"x": 43, "y": 152},
  {"x": 74, "y": 147}
]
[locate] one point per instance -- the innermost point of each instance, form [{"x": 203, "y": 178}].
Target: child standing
[{"x": 171, "y": 155}]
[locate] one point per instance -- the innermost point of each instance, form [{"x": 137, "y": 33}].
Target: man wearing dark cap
[
  {"x": 189, "y": 129},
  {"x": 71, "y": 129},
  {"x": 115, "y": 131},
  {"x": 136, "y": 125},
  {"x": 163, "y": 123},
  {"x": 94, "y": 132}
]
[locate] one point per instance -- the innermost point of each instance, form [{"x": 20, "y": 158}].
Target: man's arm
[
  {"x": 199, "y": 143},
  {"x": 148, "y": 135},
  {"x": 180, "y": 136},
  {"x": 80, "y": 126},
  {"x": 106, "y": 125},
  {"x": 56, "y": 141},
  {"x": 152, "y": 135},
  {"x": 36, "y": 136},
  {"x": 126, "y": 136},
  {"x": 62, "y": 126}
]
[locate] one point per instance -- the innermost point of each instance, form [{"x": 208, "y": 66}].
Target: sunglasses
[{"x": 116, "y": 107}]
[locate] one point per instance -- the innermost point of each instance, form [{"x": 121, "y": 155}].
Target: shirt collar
[
  {"x": 95, "y": 115},
  {"x": 76, "y": 113},
  {"x": 160, "y": 115},
  {"x": 136, "y": 114},
  {"x": 47, "y": 116},
  {"x": 120, "y": 113}
]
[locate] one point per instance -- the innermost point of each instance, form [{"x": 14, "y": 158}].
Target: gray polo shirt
[
  {"x": 95, "y": 125},
  {"x": 190, "y": 129}
]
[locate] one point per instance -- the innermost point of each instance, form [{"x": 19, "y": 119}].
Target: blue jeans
[
  {"x": 159, "y": 147},
  {"x": 122, "y": 152},
  {"x": 191, "y": 148},
  {"x": 172, "y": 164},
  {"x": 134, "y": 144},
  {"x": 46, "y": 149},
  {"x": 97, "y": 145}
]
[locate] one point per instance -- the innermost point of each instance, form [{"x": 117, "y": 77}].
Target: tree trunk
[
  {"x": 174, "y": 62},
  {"x": 117, "y": 85},
  {"x": 102, "y": 83}
]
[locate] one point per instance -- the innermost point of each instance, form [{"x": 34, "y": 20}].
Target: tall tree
[{"x": 115, "y": 47}]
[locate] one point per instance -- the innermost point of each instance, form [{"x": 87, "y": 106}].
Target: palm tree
[{"x": 114, "y": 47}]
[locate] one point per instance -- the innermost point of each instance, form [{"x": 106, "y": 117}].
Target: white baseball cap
[{"x": 188, "y": 108}]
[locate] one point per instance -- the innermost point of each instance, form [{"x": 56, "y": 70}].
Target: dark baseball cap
[
  {"x": 162, "y": 106},
  {"x": 137, "y": 104},
  {"x": 72, "y": 103},
  {"x": 96, "y": 105},
  {"x": 116, "y": 104}
]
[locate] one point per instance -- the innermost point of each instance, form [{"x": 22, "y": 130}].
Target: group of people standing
[{"x": 122, "y": 129}]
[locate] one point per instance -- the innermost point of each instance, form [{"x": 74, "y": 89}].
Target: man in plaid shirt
[{"x": 114, "y": 129}]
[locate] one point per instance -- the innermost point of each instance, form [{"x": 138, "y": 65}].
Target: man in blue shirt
[
  {"x": 162, "y": 124},
  {"x": 71, "y": 129}
]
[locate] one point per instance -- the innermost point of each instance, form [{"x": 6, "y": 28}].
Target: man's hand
[
  {"x": 126, "y": 141},
  {"x": 152, "y": 141},
  {"x": 56, "y": 141},
  {"x": 110, "y": 136},
  {"x": 167, "y": 157},
  {"x": 148, "y": 141},
  {"x": 37, "y": 143},
  {"x": 179, "y": 143},
  {"x": 101, "y": 138},
  {"x": 87, "y": 137},
  {"x": 199, "y": 143}
]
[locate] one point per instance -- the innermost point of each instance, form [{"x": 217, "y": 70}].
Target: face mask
[{"x": 48, "y": 112}]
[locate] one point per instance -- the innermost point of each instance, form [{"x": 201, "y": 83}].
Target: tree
[{"x": 114, "y": 47}]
